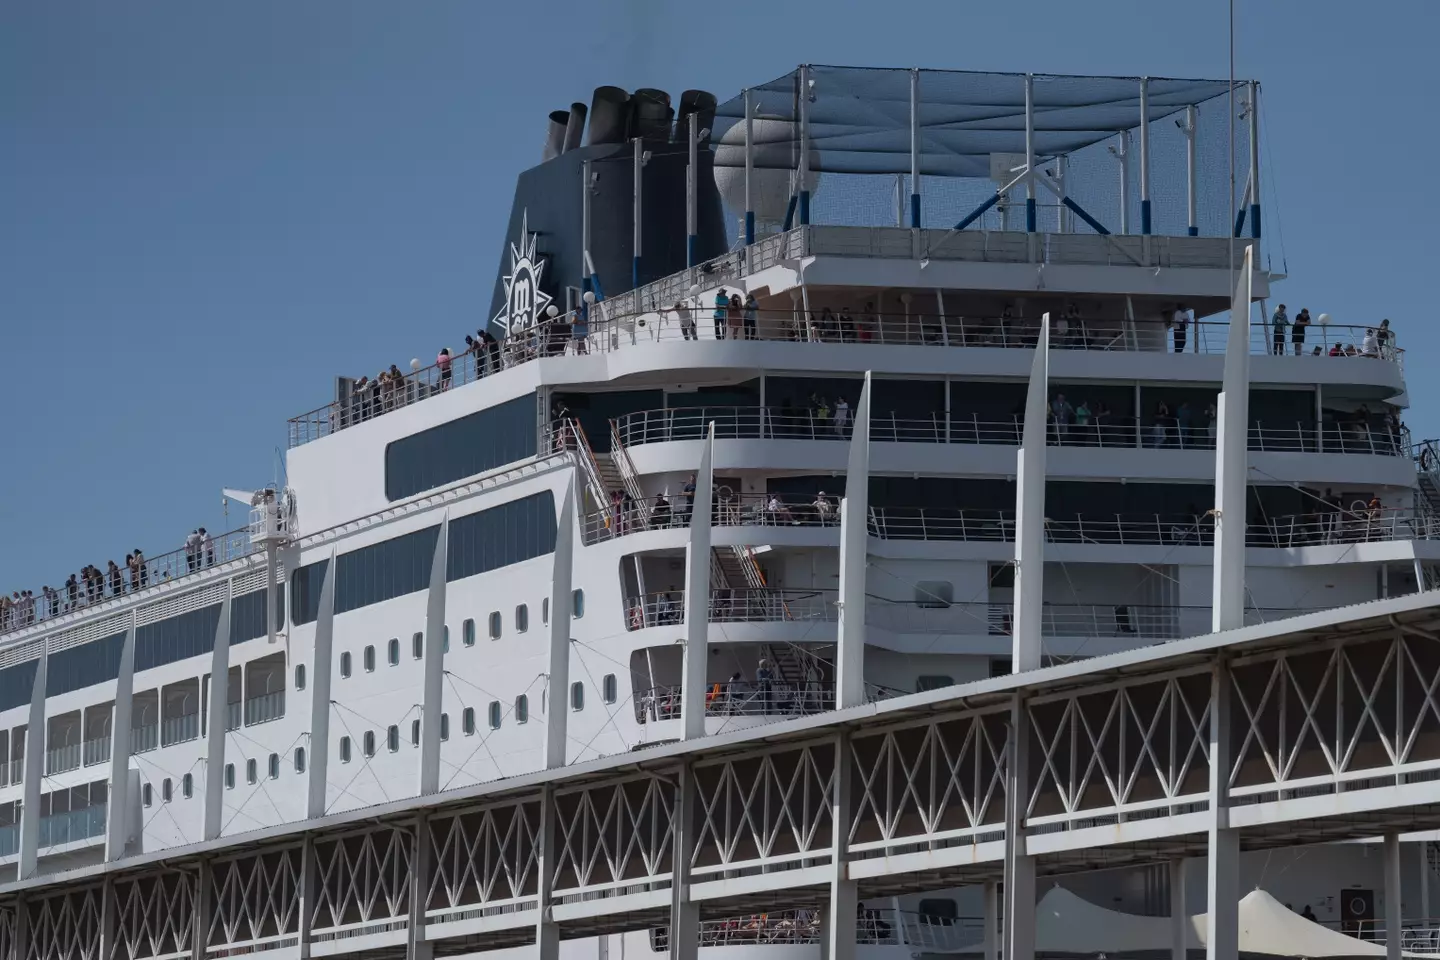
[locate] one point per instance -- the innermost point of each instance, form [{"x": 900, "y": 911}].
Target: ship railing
[
  {"x": 1098, "y": 620},
  {"x": 97, "y": 750},
  {"x": 62, "y": 758},
  {"x": 873, "y": 926},
  {"x": 73, "y": 826},
  {"x": 179, "y": 729},
  {"x": 774, "y": 698},
  {"x": 730, "y": 509},
  {"x": 1156, "y": 432},
  {"x": 144, "y": 738},
  {"x": 613, "y": 328},
  {"x": 164, "y": 568},
  {"x": 263, "y": 708}
]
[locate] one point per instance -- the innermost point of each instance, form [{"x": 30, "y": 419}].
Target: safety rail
[
  {"x": 97, "y": 750},
  {"x": 61, "y": 759},
  {"x": 873, "y": 926},
  {"x": 1168, "y": 432},
  {"x": 72, "y": 826},
  {"x": 144, "y": 738},
  {"x": 151, "y": 571},
  {"x": 565, "y": 434},
  {"x": 1418, "y": 935},
  {"x": 773, "y": 605},
  {"x": 179, "y": 729},
  {"x": 264, "y": 708},
  {"x": 740, "y": 698},
  {"x": 624, "y": 466}
]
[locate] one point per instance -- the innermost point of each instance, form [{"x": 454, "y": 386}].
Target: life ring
[{"x": 1425, "y": 459}]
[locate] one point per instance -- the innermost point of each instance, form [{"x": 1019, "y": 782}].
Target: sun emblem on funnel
[{"x": 525, "y": 302}]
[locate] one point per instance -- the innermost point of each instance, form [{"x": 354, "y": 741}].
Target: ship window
[
  {"x": 444, "y": 726},
  {"x": 461, "y": 448},
  {"x": 415, "y": 733},
  {"x": 187, "y": 786},
  {"x": 299, "y": 676},
  {"x": 385, "y": 570},
  {"x": 500, "y": 536},
  {"x": 934, "y": 593},
  {"x": 545, "y": 611},
  {"x": 178, "y": 638},
  {"x": 1002, "y": 575},
  {"x": 370, "y": 658},
  {"x": 344, "y": 749},
  {"x": 609, "y": 688},
  {"x": 932, "y": 682},
  {"x": 299, "y": 759},
  {"x": 345, "y": 664},
  {"x": 522, "y": 708},
  {"x": 468, "y": 633},
  {"x": 939, "y": 909},
  {"x": 417, "y": 646},
  {"x": 522, "y": 618},
  {"x": 83, "y": 666},
  {"x": 445, "y": 639},
  {"x": 494, "y": 714},
  {"x": 305, "y": 585},
  {"x": 577, "y": 696},
  {"x": 251, "y": 772},
  {"x": 368, "y": 742},
  {"x": 273, "y": 767},
  {"x": 392, "y": 651},
  {"x": 392, "y": 739},
  {"x": 166, "y": 790},
  {"x": 147, "y": 796},
  {"x": 247, "y": 615},
  {"x": 495, "y": 625},
  {"x": 467, "y": 721},
  {"x": 577, "y": 604},
  {"x": 229, "y": 776}
]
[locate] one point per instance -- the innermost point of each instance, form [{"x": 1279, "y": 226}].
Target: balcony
[
  {"x": 72, "y": 827},
  {"x": 880, "y": 927},
  {"x": 62, "y": 759},
  {"x": 179, "y": 729},
  {"x": 776, "y": 699},
  {"x": 144, "y": 738},
  {"x": 264, "y": 708},
  {"x": 97, "y": 751}
]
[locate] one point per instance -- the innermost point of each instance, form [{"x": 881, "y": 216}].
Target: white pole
[
  {"x": 584, "y": 225},
  {"x": 117, "y": 826},
  {"x": 1231, "y": 469},
  {"x": 804, "y": 173},
  {"x": 749, "y": 166},
  {"x": 215, "y": 728},
  {"x": 557, "y": 704},
  {"x": 1145, "y": 155},
  {"x": 692, "y": 180},
  {"x": 1393, "y": 921},
  {"x": 1030, "y": 514},
  {"x": 1255, "y": 161},
  {"x": 1067, "y": 219},
  {"x": 1030, "y": 156},
  {"x": 695, "y": 659},
  {"x": 915, "y": 148},
  {"x": 1124, "y": 154},
  {"x": 639, "y": 185},
  {"x": 854, "y": 538},
  {"x": 432, "y": 696},
  {"x": 321, "y": 671},
  {"x": 1190, "y": 169}
]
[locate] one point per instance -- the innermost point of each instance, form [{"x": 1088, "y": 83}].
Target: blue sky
[{"x": 209, "y": 210}]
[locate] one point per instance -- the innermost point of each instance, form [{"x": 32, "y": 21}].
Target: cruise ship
[{"x": 492, "y": 564}]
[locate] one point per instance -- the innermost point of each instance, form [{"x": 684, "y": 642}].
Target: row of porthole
[
  {"x": 252, "y": 775},
  {"x": 417, "y": 640}
]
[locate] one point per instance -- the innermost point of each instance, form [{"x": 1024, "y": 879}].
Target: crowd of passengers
[
  {"x": 24, "y": 608},
  {"x": 1378, "y": 341}
]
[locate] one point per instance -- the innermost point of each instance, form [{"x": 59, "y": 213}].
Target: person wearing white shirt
[
  {"x": 842, "y": 416},
  {"x": 1370, "y": 346},
  {"x": 1180, "y": 323},
  {"x": 687, "y": 320}
]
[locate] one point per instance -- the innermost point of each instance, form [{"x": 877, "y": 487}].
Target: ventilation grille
[
  {"x": 96, "y": 630},
  {"x": 21, "y": 652},
  {"x": 253, "y": 580},
  {"x": 184, "y": 603}
]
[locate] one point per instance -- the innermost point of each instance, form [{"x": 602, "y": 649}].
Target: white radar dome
[
  {"x": 775, "y": 159},
  {"x": 1324, "y": 319}
]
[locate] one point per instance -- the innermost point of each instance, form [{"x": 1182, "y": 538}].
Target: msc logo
[{"x": 525, "y": 302}]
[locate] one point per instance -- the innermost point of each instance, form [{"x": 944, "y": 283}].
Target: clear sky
[{"x": 208, "y": 210}]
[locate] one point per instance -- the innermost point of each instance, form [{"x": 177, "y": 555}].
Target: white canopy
[{"x": 1068, "y": 924}]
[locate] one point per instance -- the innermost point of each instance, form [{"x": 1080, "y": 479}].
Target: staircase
[
  {"x": 1427, "y": 476},
  {"x": 790, "y": 662}
]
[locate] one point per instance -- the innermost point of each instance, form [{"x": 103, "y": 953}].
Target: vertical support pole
[
  {"x": 418, "y": 947},
  {"x": 915, "y": 148},
  {"x": 562, "y": 602},
  {"x": 20, "y": 945},
  {"x": 1393, "y": 897},
  {"x": 1145, "y": 156},
  {"x": 433, "y": 692},
  {"x": 107, "y": 917},
  {"x": 804, "y": 172},
  {"x": 854, "y": 544},
  {"x": 639, "y": 186},
  {"x": 1222, "y": 887},
  {"x": 1179, "y": 917},
  {"x": 547, "y": 932},
  {"x": 1255, "y": 161},
  {"x": 1030, "y": 514},
  {"x": 218, "y": 721},
  {"x": 844, "y": 901},
  {"x": 749, "y": 166},
  {"x": 990, "y": 910},
  {"x": 1062, "y": 175},
  {"x": 684, "y": 915},
  {"x": 1019, "y": 913},
  {"x": 1424, "y": 848},
  {"x": 1191, "y": 171},
  {"x": 321, "y": 670},
  {"x": 584, "y": 227},
  {"x": 1231, "y": 471},
  {"x": 695, "y": 659},
  {"x": 1123, "y": 154},
  {"x": 1030, "y": 155},
  {"x": 34, "y": 770},
  {"x": 204, "y": 911},
  {"x": 117, "y": 816},
  {"x": 692, "y": 192},
  {"x": 306, "y": 894}
]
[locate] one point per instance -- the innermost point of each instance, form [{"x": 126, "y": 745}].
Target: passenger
[
  {"x": 842, "y": 417},
  {"x": 1278, "y": 323},
  {"x": 1384, "y": 337},
  {"x": 686, "y": 316},
  {"x": 1297, "y": 331},
  {"x": 192, "y": 550},
  {"x": 442, "y": 360},
  {"x": 734, "y": 317},
  {"x": 824, "y": 509},
  {"x": 72, "y": 592},
  {"x": 113, "y": 575},
  {"x": 722, "y": 308},
  {"x": 1370, "y": 346},
  {"x": 208, "y": 545},
  {"x": 660, "y": 515},
  {"x": 143, "y": 568},
  {"x": 1180, "y": 322},
  {"x": 752, "y": 315},
  {"x": 52, "y": 601}
]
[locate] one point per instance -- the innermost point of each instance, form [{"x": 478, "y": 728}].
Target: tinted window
[
  {"x": 305, "y": 585},
  {"x": 461, "y": 448},
  {"x": 17, "y": 684},
  {"x": 384, "y": 570},
  {"x": 510, "y": 533},
  {"x": 84, "y": 665},
  {"x": 188, "y": 635},
  {"x": 247, "y": 615}
]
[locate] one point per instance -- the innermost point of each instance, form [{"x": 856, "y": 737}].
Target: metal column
[
  {"x": 1019, "y": 914},
  {"x": 1179, "y": 916},
  {"x": 636, "y": 214},
  {"x": 417, "y": 947},
  {"x": 915, "y": 148},
  {"x": 321, "y": 670},
  {"x": 305, "y": 896},
  {"x": 684, "y": 915},
  {"x": 695, "y": 659},
  {"x": 1030, "y": 155},
  {"x": 1255, "y": 160},
  {"x": 990, "y": 912},
  {"x": 1222, "y": 886},
  {"x": 432, "y": 700},
  {"x": 118, "y": 815},
  {"x": 1123, "y": 155},
  {"x": 749, "y": 166},
  {"x": 547, "y": 932},
  {"x": 1145, "y": 155},
  {"x": 1231, "y": 468},
  {"x": 584, "y": 227},
  {"x": 804, "y": 173},
  {"x": 1030, "y": 514},
  {"x": 844, "y": 902},
  {"x": 692, "y": 190},
  {"x": 557, "y": 705},
  {"x": 1190, "y": 171},
  {"x": 854, "y": 544},
  {"x": 218, "y": 721},
  {"x": 1393, "y": 897}
]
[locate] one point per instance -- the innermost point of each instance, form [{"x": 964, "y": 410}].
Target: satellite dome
[{"x": 775, "y": 157}]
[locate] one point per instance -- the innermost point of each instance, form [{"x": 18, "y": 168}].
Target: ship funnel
[
  {"x": 555, "y": 135},
  {"x": 652, "y": 114},
  {"x": 698, "y": 102},
  {"x": 609, "y": 116},
  {"x": 574, "y": 127}
]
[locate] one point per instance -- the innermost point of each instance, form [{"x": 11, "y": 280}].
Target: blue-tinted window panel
[
  {"x": 510, "y": 533},
  {"x": 247, "y": 615},
  {"x": 17, "y": 684},
  {"x": 461, "y": 448},
  {"x": 85, "y": 665},
  {"x": 305, "y": 585},
  {"x": 178, "y": 638},
  {"x": 383, "y": 571}
]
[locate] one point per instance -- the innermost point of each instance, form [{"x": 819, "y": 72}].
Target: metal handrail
[{"x": 740, "y": 698}]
